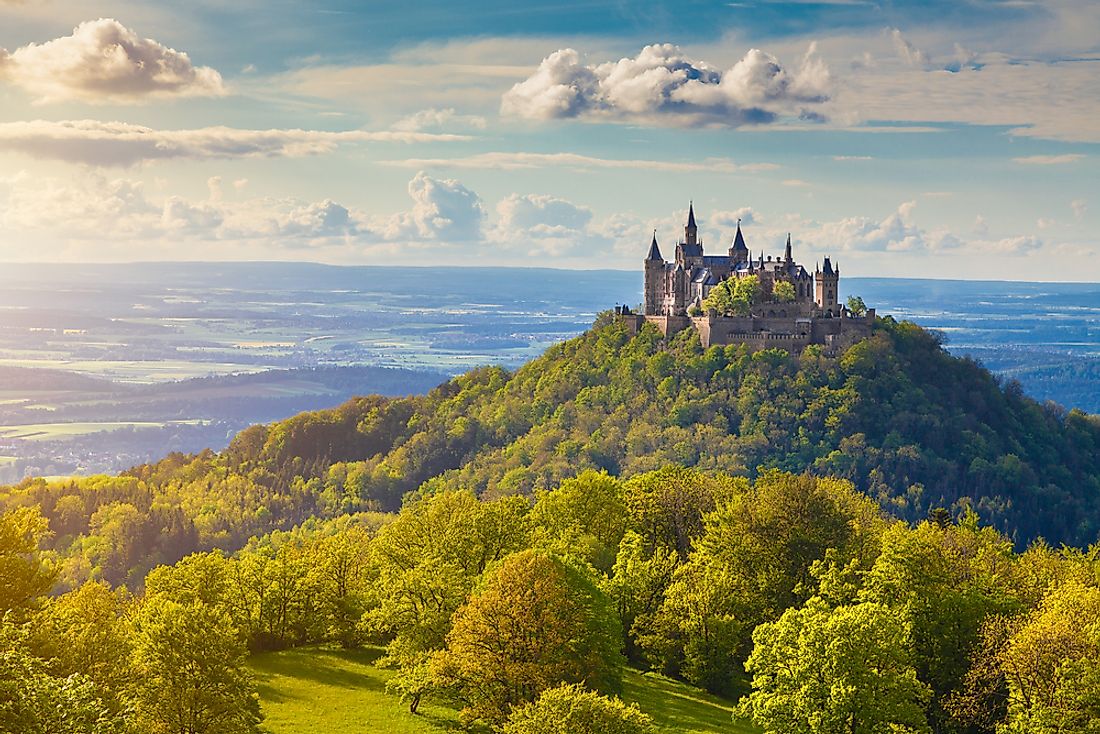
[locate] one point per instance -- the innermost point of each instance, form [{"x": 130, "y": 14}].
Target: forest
[{"x": 888, "y": 539}]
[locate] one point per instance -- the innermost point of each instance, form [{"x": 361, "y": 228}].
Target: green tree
[
  {"x": 834, "y": 671},
  {"x": 734, "y": 296},
  {"x": 27, "y": 576},
  {"x": 34, "y": 701},
  {"x": 571, "y": 709},
  {"x": 584, "y": 518},
  {"x": 535, "y": 622},
  {"x": 190, "y": 664},
  {"x": 637, "y": 586},
  {"x": 783, "y": 291},
  {"x": 857, "y": 306},
  {"x": 428, "y": 559},
  {"x": 1051, "y": 664},
  {"x": 754, "y": 561}
]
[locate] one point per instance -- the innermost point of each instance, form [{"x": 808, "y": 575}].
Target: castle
[{"x": 808, "y": 311}]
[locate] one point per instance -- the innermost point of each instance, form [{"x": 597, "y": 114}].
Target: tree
[
  {"x": 834, "y": 671},
  {"x": 783, "y": 291},
  {"x": 534, "y": 622},
  {"x": 584, "y": 518},
  {"x": 427, "y": 561},
  {"x": 754, "y": 561},
  {"x": 857, "y": 306},
  {"x": 1051, "y": 665},
  {"x": 190, "y": 664},
  {"x": 734, "y": 296},
  {"x": 26, "y": 575},
  {"x": 33, "y": 701},
  {"x": 945, "y": 580},
  {"x": 570, "y": 709}
]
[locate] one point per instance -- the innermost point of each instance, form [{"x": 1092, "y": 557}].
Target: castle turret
[
  {"x": 654, "y": 278},
  {"x": 739, "y": 252},
  {"x": 827, "y": 282},
  {"x": 787, "y": 257},
  {"x": 691, "y": 232}
]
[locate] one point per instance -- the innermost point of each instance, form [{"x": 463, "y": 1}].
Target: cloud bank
[
  {"x": 103, "y": 61},
  {"x": 122, "y": 144},
  {"x": 661, "y": 85}
]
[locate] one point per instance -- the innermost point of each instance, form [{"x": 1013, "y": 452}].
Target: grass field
[
  {"x": 56, "y": 431},
  {"x": 318, "y": 689}
]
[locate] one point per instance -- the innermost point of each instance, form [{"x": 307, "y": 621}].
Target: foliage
[
  {"x": 783, "y": 292},
  {"x": 534, "y": 622},
  {"x": 190, "y": 667},
  {"x": 751, "y": 563},
  {"x": 570, "y": 709},
  {"x": 857, "y": 306},
  {"x": 26, "y": 575},
  {"x": 846, "y": 670},
  {"x": 734, "y": 296}
]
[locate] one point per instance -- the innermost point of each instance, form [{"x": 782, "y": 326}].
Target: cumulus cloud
[
  {"x": 104, "y": 61},
  {"x": 520, "y": 160},
  {"x": 540, "y": 224},
  {"x": 443, "y": 209},
  {"x": 122, "y": 144},
  {"x": 662, "y": 85},
  {"x": 439, "y": 119}
]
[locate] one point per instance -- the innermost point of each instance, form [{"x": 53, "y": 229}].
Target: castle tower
[
  {"x": 654, "y": 278},
  {"x": 827, "y": 282},
  {"x": 679, "y": 292},
  {"x": 691, "y": 232},
  {"x": 739, "y": 252},
  {"x": 787, "y": 258}
]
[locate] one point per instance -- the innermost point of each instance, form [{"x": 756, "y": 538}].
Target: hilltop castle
[{"x": 806, "y": 312}]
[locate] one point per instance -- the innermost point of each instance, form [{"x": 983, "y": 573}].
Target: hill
[{"x": 912, "y": 426}]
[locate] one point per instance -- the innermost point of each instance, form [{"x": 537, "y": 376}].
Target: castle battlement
[{"x": 807, "y": 312}]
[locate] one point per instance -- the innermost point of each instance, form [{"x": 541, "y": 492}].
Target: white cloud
[
  {"x": 443, "y": 209},
  {"x": 661, "y": 85},
  {"x": 1079, "y": 206},
  {"x": 906, "y": 51},
  {"x": 122, "y": 144},
  {"x": 439, "y": 119},
  {"x": 545, "y": 225},
  {"x": 519, "y": 160},
  {"x": 1049, "y": 160},
  {"x": 103, "y": 61}
]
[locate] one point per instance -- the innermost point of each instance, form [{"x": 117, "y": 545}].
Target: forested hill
[{"x": 910, "y": 425}]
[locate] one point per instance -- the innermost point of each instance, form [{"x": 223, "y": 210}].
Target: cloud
[
  {"x": 439, "y": 119},
  {"x": 545, "y": 225},
  {"x": 1049, "y": 160},
  {"x": 520, "y": 160},
  {"x": 1079, "y": 206},
  {"x": 443, "y": 209},
  {"x": 104, "y": 61},
  {"x": 661, "y": 85},
  {"x": 906, "y": 51},
  {"x": 853, "y": 158},
  {"x": 122, "y": 144}
]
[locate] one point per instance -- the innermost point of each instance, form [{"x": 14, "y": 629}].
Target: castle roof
[
  {"x": 704, "y": 276},
  {"x": 739, "y": 239},
  {"x": 654, "y": 251},
  {"x": 691, "y": 214},
  {"x": 827, "y": 268}
]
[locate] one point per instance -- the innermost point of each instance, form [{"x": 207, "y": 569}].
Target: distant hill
[{"x": 909, "y": 424}]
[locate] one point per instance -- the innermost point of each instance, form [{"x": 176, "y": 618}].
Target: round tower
[{"x": 654, "y": 278}]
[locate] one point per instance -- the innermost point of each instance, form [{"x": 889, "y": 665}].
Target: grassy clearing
[{"x": 320, "y": 689}]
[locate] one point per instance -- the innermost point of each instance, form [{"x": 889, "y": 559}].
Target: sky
[{"x": 940, "y": 139}]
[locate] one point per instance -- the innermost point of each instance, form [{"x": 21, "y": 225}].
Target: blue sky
[{"x": 939, "y": 139}]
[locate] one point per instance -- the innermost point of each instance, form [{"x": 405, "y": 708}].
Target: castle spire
[
  {"x": 787, "y": 255},
  {"x": 654, "y": 251},
  {"x": 691, "y": 232},
  {"x": 739, "y": 239}
]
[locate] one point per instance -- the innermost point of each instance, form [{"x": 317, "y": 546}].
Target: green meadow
[{"x": 326, "y": 689}]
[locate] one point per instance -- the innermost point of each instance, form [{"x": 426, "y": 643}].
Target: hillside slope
[{"x": 909, "y": 424}]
